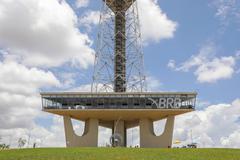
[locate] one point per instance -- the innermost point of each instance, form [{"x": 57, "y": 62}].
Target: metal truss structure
[{"x": 119, "y": 58}]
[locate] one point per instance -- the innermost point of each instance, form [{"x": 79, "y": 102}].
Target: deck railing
[{"x": 144, "y": 101}]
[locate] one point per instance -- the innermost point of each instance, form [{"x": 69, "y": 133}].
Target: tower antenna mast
[{"x": 119, "y": 58}]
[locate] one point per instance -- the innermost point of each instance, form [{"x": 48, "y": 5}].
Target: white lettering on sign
[
  {"x": 162, "y": 103},
  {"x": 170, "y": 102}
]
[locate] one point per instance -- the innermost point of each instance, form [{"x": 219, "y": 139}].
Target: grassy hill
[{"x": 119, "y": 154}]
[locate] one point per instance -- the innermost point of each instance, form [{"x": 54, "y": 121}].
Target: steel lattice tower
[{"x": 119, "y": 57}]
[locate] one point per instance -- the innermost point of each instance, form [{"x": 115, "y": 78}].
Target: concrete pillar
[
  {"x": 119, "y": 128},
  {"x": 148, "y": 139},
  {"x": 89, "y": 137}
]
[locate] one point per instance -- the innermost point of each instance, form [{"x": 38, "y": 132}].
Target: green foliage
[
  {"x": 119, "y": 154},
  {"x": 4, "y": 146}
]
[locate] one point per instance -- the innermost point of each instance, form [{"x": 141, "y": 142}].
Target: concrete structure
[
  {"x": 148, "y": 137},
  {"x": 118, "y": 67},
  {"x": 89, "y": 137},
  {"x": 119, "y": 112}
]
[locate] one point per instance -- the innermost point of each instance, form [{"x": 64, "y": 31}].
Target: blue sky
[
  {"x": 48, "y": 45},
  {"x": 198, "y": 26}
]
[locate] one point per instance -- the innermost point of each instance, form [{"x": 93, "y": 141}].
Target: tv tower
[{"x": 118, "y": 99}]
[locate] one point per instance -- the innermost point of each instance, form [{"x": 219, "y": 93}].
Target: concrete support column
[
  {"x": 89, "y": 137},
  {"x": 148, "y": 139},
  {"x": 119, "y": 128}
]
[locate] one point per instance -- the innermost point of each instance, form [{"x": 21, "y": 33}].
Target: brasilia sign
[{"x": 170, "y": 102}]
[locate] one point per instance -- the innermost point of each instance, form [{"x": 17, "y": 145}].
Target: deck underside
[{"x": 123, "y": 114}]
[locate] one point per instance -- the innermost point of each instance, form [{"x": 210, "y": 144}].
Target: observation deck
[{"x": 127, "y": 105}]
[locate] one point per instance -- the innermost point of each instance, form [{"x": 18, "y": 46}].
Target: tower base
[
  {"x": 89, "y": 137},
  {"x": 148, "y": 139}
]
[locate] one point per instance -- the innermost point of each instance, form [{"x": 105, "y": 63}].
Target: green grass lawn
[{"x": 119, "y": 154}]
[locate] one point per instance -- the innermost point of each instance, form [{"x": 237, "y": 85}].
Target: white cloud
[
  {"x": 43, "y": 33},
  {"x": 43, "y": 137},
  {"x": 206, "y": 52},
  {"x": 155, "y": 24},
  {"x": 21, "y": 105},
  {"x": 228, "y": 11},
  {"x": 218, "y": 68},
  {"x": 18, "y": 79},
  {"x": 215, "y": 126},
  {"x": 82, "y": 3},
  {"x": 89, "y": 19},
  {"x": 208, "y": 68},
  {"x": 231, "y": 140},
  {"x": 171, "y": 64},
  {"x": 19, "y": 96},
  {"x": 153, "y": 29},
  {"x": 18, "y": 111},
  {"x": 53, "y": 136}
]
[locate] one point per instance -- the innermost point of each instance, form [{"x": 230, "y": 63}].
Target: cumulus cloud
[
  {"x": 43, "y": 33},
  {"x": 20, "y": 100},
  {"x": 218, "y": 68},
  {"x": 16, "y": 78},
  {"x": 21, "y": 106},
  {"x": 231, "y": 140},
  {"x": 215, "y": 126},
  {"x": 43, "y": 137},
  {"x": 207, "y": 67},
  {"x": 159, "y": 26}
]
